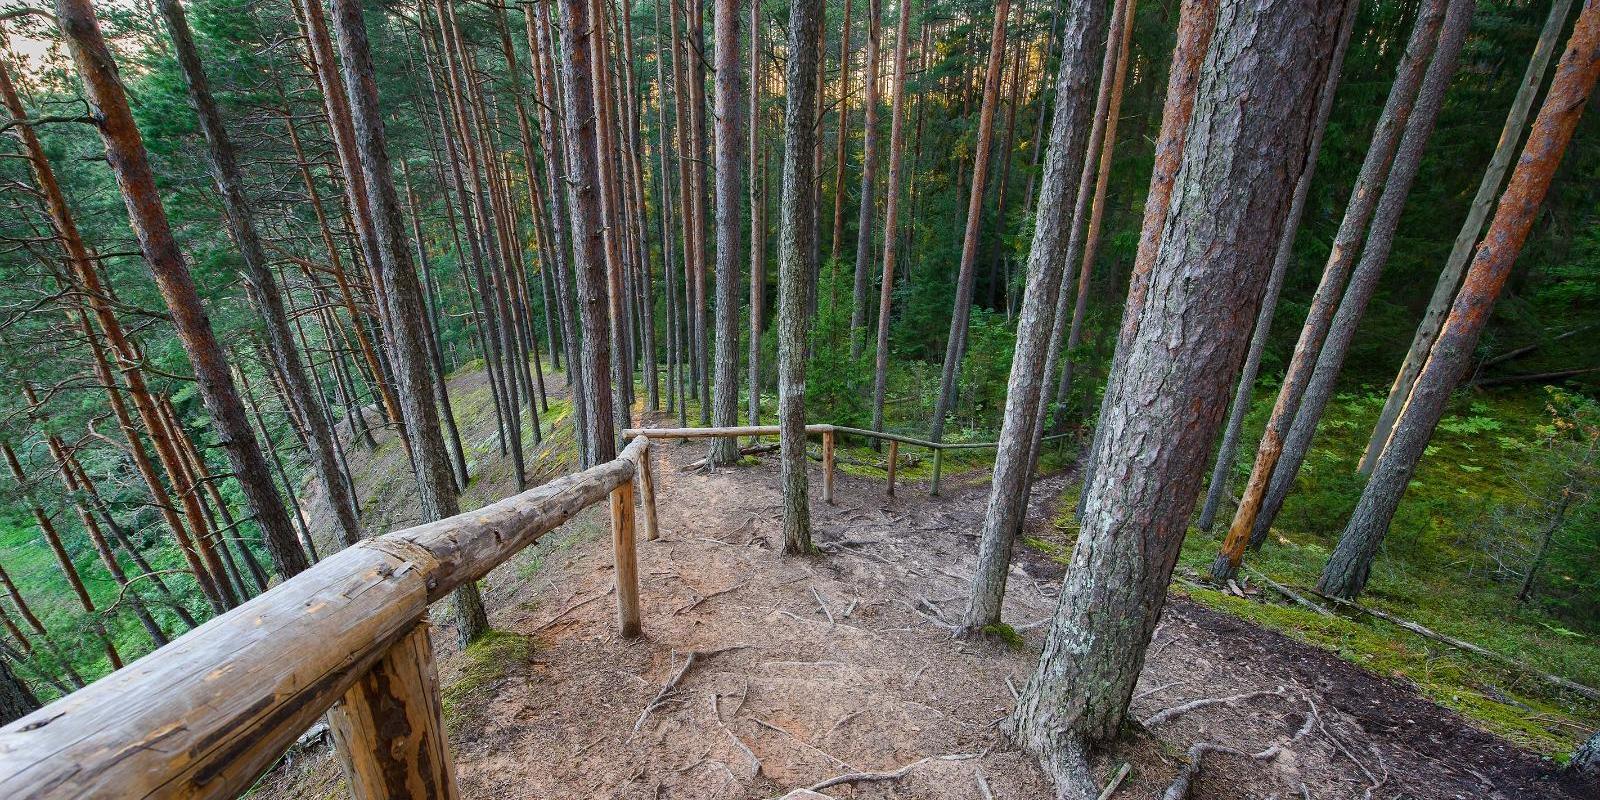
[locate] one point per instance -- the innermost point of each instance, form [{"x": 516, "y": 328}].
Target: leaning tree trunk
[
  {"x": 891, "y": 215},
  {"x": 241, "y": 224},
  {"x": 725, "y": 400},
  {"x": 1269, "y": 301},
  {"x": 1059, "y": 194},
  {"x": 1444, "y": 290},
  {"x": 403, "y": 299},
  {"x": 1364, "y": 279},
  {"x": 129, "y": 163},
  {"x": 797, "y": 258},
  {"x": 1166, "y": 400},
  {"x": 1348, "y": 568},
  {"x": 869, "y": 174},
  {"x": 1586, "y": 759},
  {"x": 1346, "y": 246},
  {"x": 956, "y": 344},
  {"x": 16, "y": 699}
]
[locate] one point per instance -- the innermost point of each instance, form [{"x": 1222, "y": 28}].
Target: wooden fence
[
  {"x": 208, "y": 714},
  {"x": 830, "y": 434}
]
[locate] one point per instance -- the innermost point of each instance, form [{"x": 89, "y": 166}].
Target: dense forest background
[{"x": 1520, "y": 444}]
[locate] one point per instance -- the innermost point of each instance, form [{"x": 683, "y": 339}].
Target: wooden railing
[
  {"x": 830, "y": 435},
  {"x": 206, "y": 715}
]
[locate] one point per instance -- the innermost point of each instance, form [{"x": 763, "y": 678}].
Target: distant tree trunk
[
  {"x": 1549, "y": 533},
  {"x": 729, "y": 140},
  {"x": 403, "y": 298},
  {"x": 891, "y": 215},
  {"x": 126, "y": 154},
  {"x": 589, "y": 251},
  {"x": 696, "y": 69},
  {"x": 758, "y": 221},
  {"x": 1364, "y": 279},
  {"x": 1059, "y": 193},
  {"x": 69, "y": 570},
  {"x": 842, "y": 141},
  {"x": 1229, "y": 449},
  {"x": 1346, "y": 572},
  {"x": 797, "y": 257},
  {"x": 26, "y": 612},
  {"x": 956, "y": 344},
  {"x": 264, "y": 289},
  {"x": 1450, "y": 277},
  {"x": 869, "y": 175},
  {"x": 1090, "y": 249},
  {"x": 1346, "y": 247},
  {"x": 1170, "y": 391}
]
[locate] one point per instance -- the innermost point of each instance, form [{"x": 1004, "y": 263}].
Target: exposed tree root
[
  {"x": 1168, "y": 714},
  {"x": 671, "y": 685},
  {"x": 872, "y": 777}
]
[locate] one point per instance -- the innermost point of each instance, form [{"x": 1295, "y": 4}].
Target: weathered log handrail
[
  {"x": 829, "y": 434},
  {"x": 204, "y": 716}
]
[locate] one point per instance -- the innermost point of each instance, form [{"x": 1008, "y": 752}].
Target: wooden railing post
[
  {"x": 938, "y": 468},
  {"x": 647, "y": 494},
  {"x": 627, "y": 564},
  {"x": 389, "y": 727},
  {"x": 827, "y": 466},
  {"x": 894, "y": 455}
]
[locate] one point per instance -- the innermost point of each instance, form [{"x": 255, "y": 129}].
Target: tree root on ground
[{"x": 895, "y": 775}]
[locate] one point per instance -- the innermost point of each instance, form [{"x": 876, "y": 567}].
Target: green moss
[
  {"x": 486, "y": 661},
  {"x": 1007, "y": 634}
]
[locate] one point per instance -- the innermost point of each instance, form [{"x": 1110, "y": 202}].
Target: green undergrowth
[
  {"x": 1442, "y": 565},
  {"x": 479, "y": 671}
]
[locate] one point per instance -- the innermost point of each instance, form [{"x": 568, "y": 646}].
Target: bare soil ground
[{"x": 807, "y": 669}]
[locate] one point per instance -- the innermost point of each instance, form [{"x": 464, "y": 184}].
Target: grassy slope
[{"x": 1432, "y": 569}]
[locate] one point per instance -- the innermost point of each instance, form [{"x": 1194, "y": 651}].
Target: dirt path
[{"x": 811, "y": 668}]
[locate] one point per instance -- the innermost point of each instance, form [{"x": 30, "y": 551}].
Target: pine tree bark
[
  {"x": 1226, "y": 453},
  {"x": 589, "y": 250},
  {"x": 1324, "y": 304},
  {"x": 1348, "y": 568},
  {"x": 264, "y": 289},
  {"x": 797, "y": 259},
  {"x": 1170, "y": 391},
  {"x": 842, "y": 140},
  {"x": 758, "y": 222},
  {"x": 16, "y": 699},
  {"x": 403, "y": 298},
  {"x": 1026, "y": 387},
  {"x": 1450, "y": 277},
  {"x": 729, "y": 143},
  {"x": 125, "y": 152},
  {"x": 956, "y": 343}
]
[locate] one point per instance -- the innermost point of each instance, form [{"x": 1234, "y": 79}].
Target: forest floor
[{"x": 810, "y": 668}]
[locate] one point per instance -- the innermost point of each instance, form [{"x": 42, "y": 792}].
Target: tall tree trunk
[
  {"x": 126, "y": 154},
  {"x": 16, "y": 699},
  {"x": 1346, "y": 246},
  {"x": 1223, "y": 469},
  {"x": 1170, "y": 391},
  {"x": 258, "y": 273},
  {"x": 1364, "y": 279},
  {"x": 1025, "y": 390},
  {"x": 403, "y": 298},
  {"x": 1346, "y": 572},
  {"x": 956, "y": 344},
  {"x": 589, "y": 254},
  {"x": 1444, "y": 290},
  {"x": 891, "y": 216},
  {"x": 26, "y": 612},
  {"x": 758, "y": 221},
  {"x": 869, "y": 175},
  {"x": 797, "y": 257},
  {"x": 729, "y": 140},
  {"x": 842, "y": 141}
]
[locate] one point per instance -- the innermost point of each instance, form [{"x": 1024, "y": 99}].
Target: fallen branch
[
  {"x": 871, "y": 777},
  {"x": 743, "y": 451},
  {"x": 1169, "y": 714},
  {"x": 1427, "y": 633},
  {"x": 672, "y": 683},
  {"x": 701, "y": 599},
  {"x": 1116, "y": 780},
  {"x": 823, "y": 604},
  {"x": 1287, "y": 592},
  {"x": 573, "y": 607}
]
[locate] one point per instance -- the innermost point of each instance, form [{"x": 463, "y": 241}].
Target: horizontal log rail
[
  {"x": 829, "y": 434},
  {"x": 206, "y": 715}
]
